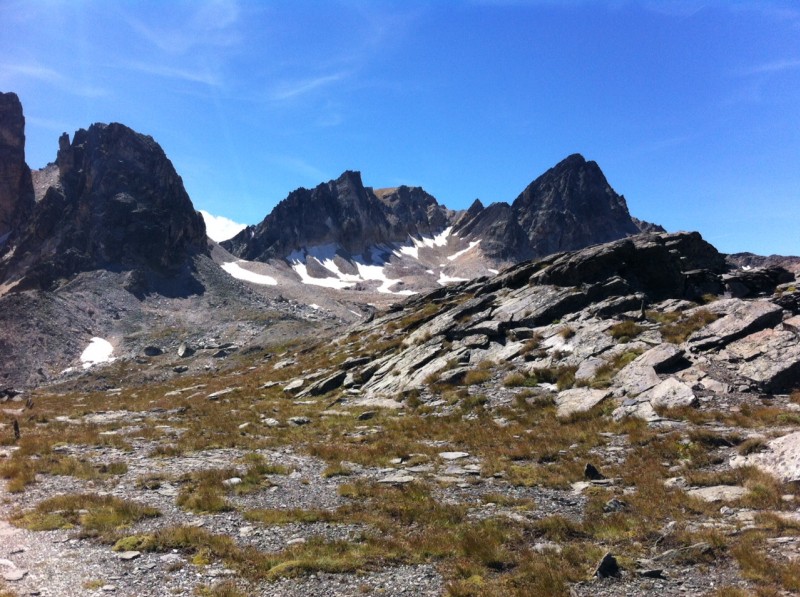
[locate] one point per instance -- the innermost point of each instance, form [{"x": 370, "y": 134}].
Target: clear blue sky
[{"x": 691, "y": 108}]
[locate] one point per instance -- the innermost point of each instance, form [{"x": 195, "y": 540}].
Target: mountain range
[
  {"x": 370, "y": 392},
  {"x": 105, "y": 242}
]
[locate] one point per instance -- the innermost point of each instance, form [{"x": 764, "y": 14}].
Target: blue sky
[{"x": 691, "y": 108}]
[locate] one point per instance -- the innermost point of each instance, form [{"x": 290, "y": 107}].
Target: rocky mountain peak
[
  {"x": 16, "y": 187},
  {"x": 343, "y": 213},
  {"x": 119, "y": 204},
  {"x": 572, "y": 206}
]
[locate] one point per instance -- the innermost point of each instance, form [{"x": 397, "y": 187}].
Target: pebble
[
  {"x": 15, "y": 574},
  {"x": 127, "y": 556}
]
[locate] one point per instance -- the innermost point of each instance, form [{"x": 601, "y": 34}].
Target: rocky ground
[{"x": 572, "y": 426}]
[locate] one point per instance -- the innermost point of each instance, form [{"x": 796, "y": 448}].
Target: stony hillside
[{"x": 616, "y": 420}]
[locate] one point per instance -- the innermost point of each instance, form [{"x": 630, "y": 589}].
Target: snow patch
[
  {"x": 440, "y": 240},
  {"x": 238, "y": 272},
  {"x": 444, "y": 279},
  {"x": 493, "y": 271},
  {"x": 325, "y": 254},
  {"x": 458, "y": 254},
  {"x": 98, "y": 351}
]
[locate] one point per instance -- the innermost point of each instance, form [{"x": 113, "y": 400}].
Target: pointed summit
[{"x": 571, "y": 206}]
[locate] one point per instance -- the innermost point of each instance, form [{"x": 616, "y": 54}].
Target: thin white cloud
[
  {"x": 219, "y": 228},
  {"x": 194, "y": 76},
  {"x": 49, "y": 76},
  {"x": 211, "y": 24},
  {"x": 299, "y": 166},
  {"x": 292, "y": 89},
  {"x": 777, "y": 66}
]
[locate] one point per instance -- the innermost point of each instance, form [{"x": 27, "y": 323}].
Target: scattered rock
[
  {"x": 453, "y": 455},
  {"x": 608, "y": 567},
  {"x": 780, "y": 457},
  {"x": 578, "y": 400},
  {"x": 294, "y": 386},
  {"x": 397, "y": 479},
  {"x": 217, "y": 395},
  {"x": 718, "y": 493},
  {"x": 299, "y": 421},
  {"x": 590, "y": 472},
  {"x": 670, "y": 393},
  {"x": 127, "y": 556}
]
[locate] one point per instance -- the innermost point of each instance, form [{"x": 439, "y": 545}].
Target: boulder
[
  {"x": 636, "y": 377},
  {"x": 578, "y": 400},
  {"x": 325, "y": 385},
  {"x": 670, "y": 393},
  {"x": 780, "y": 458},
  {"x": 662, "y": 357},
  {"x": 718, "y": 493}
]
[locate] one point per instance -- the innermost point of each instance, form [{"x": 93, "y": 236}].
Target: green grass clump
[{"x": 96, "y": 515}]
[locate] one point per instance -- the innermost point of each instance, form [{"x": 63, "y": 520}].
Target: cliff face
[
  {"x": 568, "y": 207},
  {"x": 16, "y": 187},
  {"x": 118, "y": 204},
  {"x": 342, "y": 212}
]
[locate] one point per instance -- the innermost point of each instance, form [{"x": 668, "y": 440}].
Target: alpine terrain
[{"x": 368, "y": 393}]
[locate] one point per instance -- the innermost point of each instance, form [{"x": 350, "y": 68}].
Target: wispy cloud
[
  {"x": 298, "y": 166},
  {"x": 206, "y": 77},
  {"x": 210, "y": 24},
  {"x": 293, "y": 89},
  {"x": 777, "y": 66},
  {"x": 46, "y": 123},
  {"x": 49, "y": 76}
]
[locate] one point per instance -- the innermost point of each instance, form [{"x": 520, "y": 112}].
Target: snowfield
[
  {"x": 98, "y": 351},
  {"x": 238, "y": 272}
]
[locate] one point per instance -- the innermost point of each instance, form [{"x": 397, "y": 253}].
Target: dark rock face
[
  {"x": 119, "y": 204},
  {"x": 341, "y": 212},
  {"x": 568, "y": 207},
  {"x": 16, "y": 187},
  {"x": 571, "y": 206}
]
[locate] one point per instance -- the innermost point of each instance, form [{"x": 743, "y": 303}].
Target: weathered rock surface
[
  {"x": 771, "y": 359},
  {"x": 578, "y": 400},
  {"x": 780, "y": 457},
  {"x": 568, "y": 207},
  {"x": 119, "y": 205},
  {"x": 16, "y": 186},
  {"x": 671, "y": 393},
  {"x": 344, "y": 213},
  {"x": 738, "y": 318}
]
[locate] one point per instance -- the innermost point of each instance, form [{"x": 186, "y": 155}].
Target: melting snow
[
  {"x": 325, "y": 255},
  {"x": 98, "y": 351},
  {"x": 444, "y": 279},
  {"x": 472, "y": 245},
  {"x": 440, "y": 240},
  {"x": 238, "y": 272}
]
